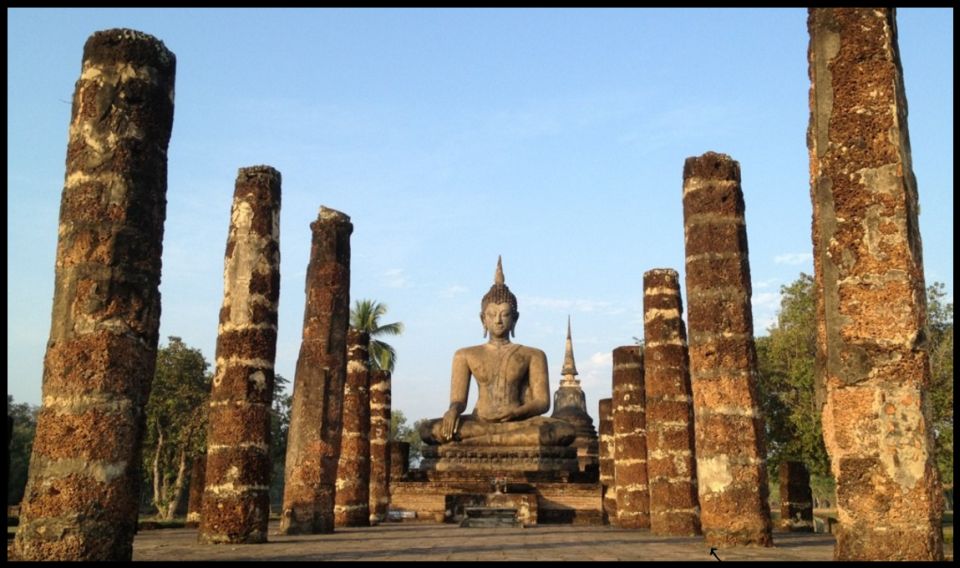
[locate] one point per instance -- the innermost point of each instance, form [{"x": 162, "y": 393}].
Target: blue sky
[{"x": 555, "y": 138}]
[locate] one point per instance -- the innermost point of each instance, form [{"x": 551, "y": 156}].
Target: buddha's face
[{"x": 499, "y": 319}]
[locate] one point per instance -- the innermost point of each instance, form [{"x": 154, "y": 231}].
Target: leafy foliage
[
  {"x": 279, "y": 428},
  {"x": 21, "y": 445},
  {"x": 365, "y": 316},
  {"x": 401, "y": 432},
  {"x": 940, "y": 329},
  {"x": 785, "y": 361},
  {"x": 176, "y": 422}
]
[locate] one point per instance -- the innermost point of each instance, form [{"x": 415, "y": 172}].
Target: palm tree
[{"x": 365, "y": 316}]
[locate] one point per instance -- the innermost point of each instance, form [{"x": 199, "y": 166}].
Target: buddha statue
[{"x": 512, "y": 382}]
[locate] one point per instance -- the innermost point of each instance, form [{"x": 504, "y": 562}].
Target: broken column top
[
  {"x": 258, "y": 170},
  {"x": 712, "y": 166},
  {"x": 126, "y": 45},
  {"x": 327, "y": 214},
  {"x": 663, "y": 276}
]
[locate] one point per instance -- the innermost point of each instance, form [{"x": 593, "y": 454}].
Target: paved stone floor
[{"x": 432, "y": 542}]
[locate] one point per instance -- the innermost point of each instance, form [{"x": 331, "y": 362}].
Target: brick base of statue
[
  {"x": 456, "y": 457},
  {"x": 537, "y": 499}
]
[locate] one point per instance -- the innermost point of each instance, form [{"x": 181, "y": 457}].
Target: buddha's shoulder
[{"x": 483, "y": 350}]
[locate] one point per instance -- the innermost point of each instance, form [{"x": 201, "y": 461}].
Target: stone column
[
  {"x": 671, "y": 460},
  {"x": 608, "y": 487},
  {"x": 399, "y": 460},
  {"x": 730, "y": 443},
  {"x": 380, "y": 462},
  {"x": 630, "y": 439},
  {"x": 313, "y": 442},
  {"x": 195, "y": 496},
  {"x": 796, "y": 498},
  {"x": 236, "y": 499},
  {"x": 84, "y": 479},
  {"x": 352, "y": 501},
  {"x": 873, "y": 360}
]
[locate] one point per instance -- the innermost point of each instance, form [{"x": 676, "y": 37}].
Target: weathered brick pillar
[
  {"x": 630, "y": 439},
  {"x": 379, "y": 448},
  {"x": 796, "y": 498},
  {"x": 352, "y": 501},
  {"x": 608, "y": 487},
  {"x": 236, "y": 496},
  {"x": 195, "y": 496},
  {"x": 84, "y": 479},
  {"x": 671, "y": 460},
  {"x": 873, "y": 359},
  {"x": 399, "y": 460},
  {"x": 313, "y": 442},
  {"x": 730, "y": 443}
]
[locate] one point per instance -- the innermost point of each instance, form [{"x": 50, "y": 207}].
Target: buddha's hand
[
  {"x": 502, "y": 414},
  {"x": 451, "y": 421}
]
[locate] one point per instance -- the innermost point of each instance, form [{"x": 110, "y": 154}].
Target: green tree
[
  {"x": 279, "y": 428},
  {"x": 176, "y": 423},
  {"x": 365, "y": 316},
  {"x": 940, "y": 336},
  {"x": 21, "y": 444},
  {"x": 786, "y": 363},
  {"x": 401, "y": 432}
]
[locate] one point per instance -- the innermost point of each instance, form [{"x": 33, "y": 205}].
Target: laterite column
[
  {"x": 313, "y": 442},
  {"x": 671, "y": 460},
  {"x": 352, "y": 502},
  {"x": 630, "y": 439},
  {"x": 236, "y": 495},
  {"x": 83, "y": 485},
  {"x": 608, "y": 486},
  {"x": 730, "y": 443},
  {"x": 873, "y": 364},
  {"x": 379, "y": 445}
]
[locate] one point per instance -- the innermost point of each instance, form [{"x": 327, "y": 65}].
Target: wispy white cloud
[
  {"x": 765, "y": 307},
  {"x": 453, "y": 291},
  {"x": 395, "y": 278},
  {"x": 596, "y": 371},
  {"x": 793, "y": 258}
]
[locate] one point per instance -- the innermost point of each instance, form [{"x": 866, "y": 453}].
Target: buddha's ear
[
  {"x": 484, "y": 324},
  {"x": 516, "y": 316}
]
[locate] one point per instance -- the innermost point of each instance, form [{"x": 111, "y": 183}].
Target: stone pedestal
[{"x": 487, "y": 459}]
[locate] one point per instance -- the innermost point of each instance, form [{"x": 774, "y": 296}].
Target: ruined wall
[
  {"x": 730, "y": 443},
  {"x": 195, "y": 495},
  {"x": 873, "y": 360},
  {"x": 380, "y": 462},
  {"x": 313, "y": 441},
  {"x": 83, "y": 484},
  {"x": 671, "y": 460},
  {"x": 796, "y": 498},
  {"x": 608, "y": 486},
  {"x": 352, "y": 502},
  {"x": 630, "y": 439},
  {"x": 236, "y": 497}
]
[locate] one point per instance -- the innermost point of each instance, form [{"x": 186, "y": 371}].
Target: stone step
[{"x": 474, "y": 517}]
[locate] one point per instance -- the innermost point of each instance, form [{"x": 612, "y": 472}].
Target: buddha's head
[{"x": 498, "y": 308}]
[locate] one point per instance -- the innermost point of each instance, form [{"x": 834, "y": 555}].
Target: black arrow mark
[{"x": 713, "y": 551}]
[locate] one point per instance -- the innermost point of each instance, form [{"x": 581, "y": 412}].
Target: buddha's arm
[
  {"x": 459, "y": 389},
  {"x": 538, "y": 401}
]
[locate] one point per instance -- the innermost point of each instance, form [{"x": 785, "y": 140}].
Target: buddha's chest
[{"x": 500, "y": 369}]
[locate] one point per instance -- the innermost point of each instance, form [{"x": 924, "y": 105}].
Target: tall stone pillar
[
  {"x": 352, "y": 500},
  {"x": 236, "y": 497},
  {"x": 195, "y": 495},
  {"x": 872, "y": 357},
  {"x": 796, "y": 498},
  {"x": 84, "y": 479},
  {"x": 399, "y": 460},
  {"x": 630, "y": 439},
  {"x": 313, "y": 441},
  {"x": 380, "y": 462},
  {"x": 730, "y": 443},
  {"x": 671, "y": 460},
  {"x": 608, "y": 486}
]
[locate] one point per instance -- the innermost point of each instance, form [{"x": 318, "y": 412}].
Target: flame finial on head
[{"x": 499, "y": 292}]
